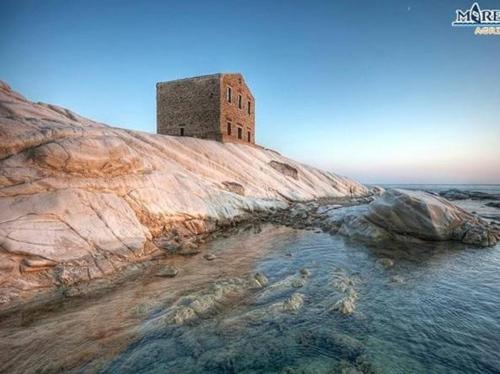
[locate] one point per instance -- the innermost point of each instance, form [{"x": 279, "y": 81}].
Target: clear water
[{"x": 437, "y": 310}]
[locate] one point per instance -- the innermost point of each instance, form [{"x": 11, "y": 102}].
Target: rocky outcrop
[
  {"x": 285, "y": 169},
  {"x": 455, "y": 194},
  {"x": 80, "y": 200},
  {"x": 234, "y": 188},
  {"x": 413, "y": 215}
]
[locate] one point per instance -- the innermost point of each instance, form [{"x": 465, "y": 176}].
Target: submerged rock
[
  {"x": 346, "y": 305},
  {"x": 183, "y": 315},
  {"x": 259, "y": 280},
  {"x": 209, "y": 257},
  {"x": 168, "y": 272},
  {"x": 385, "y": 262},
  {"x": 298, "y": 282},
  {"x": 397, "y": 279},
  {"x": 293, "y": 303},
  {"x": 345, "y": 285},
  {"x": 305, "y": 272}
]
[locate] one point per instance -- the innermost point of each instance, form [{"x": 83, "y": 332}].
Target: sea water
[{"x": 434, "y": 308}]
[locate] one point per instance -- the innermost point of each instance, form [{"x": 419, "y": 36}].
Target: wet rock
[
  {"x": 409, "y": 215},
  {"x": 189, "y": 249},
  {"x": 346, "y": 285},
  {"x": 169, "y": 244},
  {"x": 385, "y": 263},
  {"x": 455, "y": 194},
  {"x": 327, "y": 208},
  {"x": 338, "y": 344},
  {"x": 168, "y": 272},
  {"x": 305, "y": 272},
  {"x": 184, "y": 315},
  {"x": 259, "y": 280},
  {"x": 377, "y": 190},
  {"x": 346, "y": 305},
  {"x": 209, "y": 257},
  {"x": 397, "y": 279},
  {"x": 298, "y": 282},
  {"x": 364, "y": 364},
  {"x": 343, "y": 283},
  {"x": 293, "y": 303},
  {"x": 493, "y": 204}
]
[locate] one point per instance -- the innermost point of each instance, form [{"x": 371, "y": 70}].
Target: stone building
[{"x": 218, "y": 107}]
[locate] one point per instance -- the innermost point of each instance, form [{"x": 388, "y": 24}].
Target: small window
[
  {"x": 240, "y": 133},
  {"x": 249, "y": 107},
  {"x": 239, "y": 101},
  {"x": 229, "y": 128},
  {"x": 249, "y": 137},
  {"x": 229, "y": 94},
  {"x": 182, "y": 131}
]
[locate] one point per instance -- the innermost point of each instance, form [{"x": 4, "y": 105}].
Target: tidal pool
[{"x": 435, "y": 308}]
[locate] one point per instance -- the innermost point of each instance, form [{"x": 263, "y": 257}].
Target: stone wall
[
  {"x": 231, "y": 113},
  {"x": 199, "y": 107},
  {"x": 191, "y": 104}
]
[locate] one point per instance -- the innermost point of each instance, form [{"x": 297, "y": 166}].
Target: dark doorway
[
  {"x": 249, "y": 137},
  {"x": 182, "y": 131},
  {"x": 229, "y": 128},
  {"x": 240, "y": 133}
]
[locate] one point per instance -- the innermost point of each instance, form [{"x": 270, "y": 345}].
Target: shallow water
[{"x": 436, "y": 310}]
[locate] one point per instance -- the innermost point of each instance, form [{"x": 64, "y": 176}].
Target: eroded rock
[
  {"x": 413, "y": 215},
  {"x": 234, "y": 187},
  {"x": 93, "y": 198},
  {"x": 285, "y": 169}
]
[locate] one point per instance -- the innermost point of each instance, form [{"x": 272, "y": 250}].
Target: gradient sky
[{"x": 385, "y": 91}]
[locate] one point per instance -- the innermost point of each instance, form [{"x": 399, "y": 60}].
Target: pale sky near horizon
[{"x": 385, "y": 93}]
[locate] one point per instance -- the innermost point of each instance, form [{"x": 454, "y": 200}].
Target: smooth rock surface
[
  {"x": 91, "y": 198},
  {"x": 406, "y": 215}
]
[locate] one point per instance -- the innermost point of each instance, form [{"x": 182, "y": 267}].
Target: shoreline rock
[
  {"x": 405, "y": 215},
  {"x": 455, "y": 194},
  {"x": 90, "y": 199}
]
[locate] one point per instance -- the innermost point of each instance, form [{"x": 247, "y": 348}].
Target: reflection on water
[{"x": 436, "y": 309}]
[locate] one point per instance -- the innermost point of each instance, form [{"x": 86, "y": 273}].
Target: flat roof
[{"x": 198, "y": 77}]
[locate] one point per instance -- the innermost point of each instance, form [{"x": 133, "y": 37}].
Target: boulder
[{"x": 426, "y": 216}]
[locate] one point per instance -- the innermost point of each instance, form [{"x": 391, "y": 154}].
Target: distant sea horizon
[{"x": 438, "y": 187}]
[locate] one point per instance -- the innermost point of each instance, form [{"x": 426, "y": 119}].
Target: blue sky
[{"x": 382, "y": 91}]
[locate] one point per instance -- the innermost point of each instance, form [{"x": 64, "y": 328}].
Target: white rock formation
[
  {"x": 83, "y": 198},
  {"x": 413, "y": 215}
]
